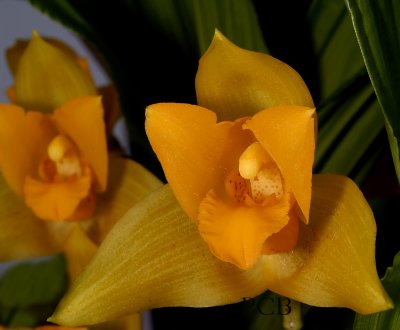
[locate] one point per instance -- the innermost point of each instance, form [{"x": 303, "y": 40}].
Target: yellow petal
[
  {"x": 131, "y": 322},
  {"x": 82, "y": 120},
  {"x": 287, "y": 133},
  {"x": 14, "y": 53},
  {"x": 22, "y": 235},
  {"x": 196, "y": 153},
  {"x": 31, "y": 132},
  {"x": 46, "y": 77},
  {"x": 334, "y": 262},
  {"x": 236, "y": 83},
  {"x": 154, "y": 257},
  {"x": 56, "y": 201},
  {"x": 78, "y": 250},
  {"x": 236, "y": 234},
  {"x": 129, "y": 182}
]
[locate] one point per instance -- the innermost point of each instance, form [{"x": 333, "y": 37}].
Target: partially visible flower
[{"x": 55, "y": 161}]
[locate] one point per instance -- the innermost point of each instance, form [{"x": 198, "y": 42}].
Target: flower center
[
  {"x": 63, "y": 160},
  {"x": 258, "y": 177}
]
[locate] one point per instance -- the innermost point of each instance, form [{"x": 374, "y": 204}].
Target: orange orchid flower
[
  {"x": 55, "y": 165},
  {"x": 242, "y": 212}
]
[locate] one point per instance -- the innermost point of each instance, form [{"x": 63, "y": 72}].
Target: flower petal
[
  {"x": 56, "y": 201},
  {"x": 288, "y": 134},
  {"x": 236, "y": 234},
  {"x": 236, "y": 83},
  {"x": 334, "y": 262},
  {"x": 82, "y": 120},
  {"x": 128, "y": 183},
  {"x": 154, "y": 257},
  {"x": 22, "y": 235},
  {"x": 78, "y": 250},
  {"x": 196, "y": 153},
  {"x": 46, "y": 77},
  {"x": 284, "y": 240},
  {"x": 31, "y": 132}
]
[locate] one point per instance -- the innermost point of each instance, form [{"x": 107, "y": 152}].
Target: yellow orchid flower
[
  {"x": 55, "y": 165},
  {"x": 249, "y": 216}
]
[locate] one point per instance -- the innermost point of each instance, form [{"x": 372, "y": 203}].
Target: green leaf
[
  {"x": 377, "y": 25},
  {"x": 389, "y": 320},
  {"x": 335, "y": 45},
  {"x": 33, "y": 283},
  {"x": 30, "y": 290}
]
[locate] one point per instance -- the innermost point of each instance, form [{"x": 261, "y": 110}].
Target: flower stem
[{"x": 292, "y": 320}]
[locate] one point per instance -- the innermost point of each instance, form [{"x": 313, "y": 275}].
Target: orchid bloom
[
  {"x": 242, "y": 212},
  {"x": 60, "y": 190}
]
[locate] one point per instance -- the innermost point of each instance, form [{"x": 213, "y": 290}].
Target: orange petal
[
  {"x": 31, "y": 132},
  {"x": 196, "y": 153},
  {"x": 235, "y": 82},
  {"x": 47, "y": 77},
  {"x": 236, "y": 234},
  {"x": 82, "y": 120},
  {"x": 287, "y": 133},
  {"x": 284, "y": 240},
  {"x": 56, "y": 200}
]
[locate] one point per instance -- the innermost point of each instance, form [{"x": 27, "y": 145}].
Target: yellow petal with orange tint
[
  {"x": 236, "y": 234},
  {"x": 196, "y": 153},
  {"x": 82, "y": 120},
  {"x": 56, "y": 201},
  {"x": 22, "y": 235},
  {"x": 46, "y": 77},
  {"x": 128, "y": 183},
  {"x": 236, "y": 83},
  {"x": 78, "y": 250},
  {"x": 154, "y": 257},
  {"x": 334, "y": 261},
  {"x": 288, "y": 135},
  {"x": 31, "y": 132}
]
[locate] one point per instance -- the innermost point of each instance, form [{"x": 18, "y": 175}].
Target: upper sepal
[
  {"x": 235, "y": 83},
  {"x": 46, "y": 77}
]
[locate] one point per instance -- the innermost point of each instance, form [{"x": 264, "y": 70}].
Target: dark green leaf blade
[
  {"x": 30, "y": 290},
  {"x": 377, "y": 25}
]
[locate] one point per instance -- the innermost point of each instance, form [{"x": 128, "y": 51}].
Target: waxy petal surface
[
  {"x": 236, "y": 234},
  {"x": 288, "y": 135},
  {"x": 236, "y": 83},
  {"x": 82, "y": 120},
  {"x": 31, "y": 132},
  {"x": 155, "y": 257},
  {"x": 47, "y": 77},
  {"x": 196, "y": 153},
  {"x": 333, "y": 264},
  {"x": 55, "y": 201}
]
